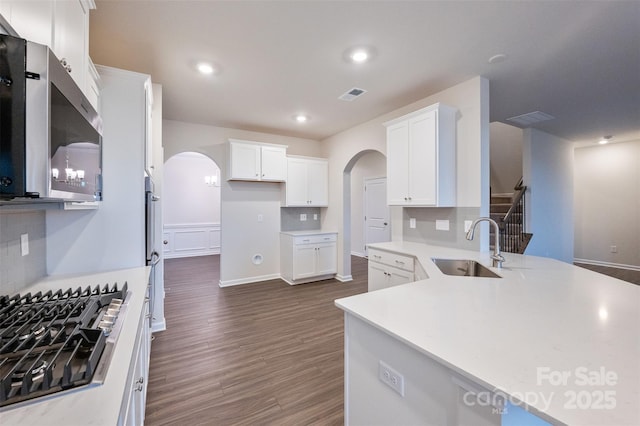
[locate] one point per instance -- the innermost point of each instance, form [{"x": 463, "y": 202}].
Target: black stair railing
[{"x": 513, "y": 238}]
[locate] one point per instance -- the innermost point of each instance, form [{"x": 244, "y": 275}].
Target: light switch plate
[
  {"x": 412, "y": 222},
  {"x": 260, "y": 217},
  {"x": 442, "y": 225},
  {"x": 315, "y": 216}
]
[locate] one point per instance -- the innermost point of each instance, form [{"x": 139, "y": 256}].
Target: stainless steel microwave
[{"x": 50, "y": 134}]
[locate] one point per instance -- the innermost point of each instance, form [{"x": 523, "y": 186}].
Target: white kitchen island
[
  {"x": 557, "y": 340},
  {"x": 108, "y": 403}
]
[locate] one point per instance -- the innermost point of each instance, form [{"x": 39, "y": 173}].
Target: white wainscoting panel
[{"x": 191, "y": 239}]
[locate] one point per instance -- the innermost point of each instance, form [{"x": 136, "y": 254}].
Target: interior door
[{"x": 376, "y": 212}]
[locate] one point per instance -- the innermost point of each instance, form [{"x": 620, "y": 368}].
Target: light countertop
[
  {"x": 98, "y": 404},
  {"x": 516, "y": 333}
]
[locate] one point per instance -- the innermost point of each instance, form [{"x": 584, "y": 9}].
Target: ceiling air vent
[
  {"x": 352, "y": 94},
  {"x": 530, "y": 118}
]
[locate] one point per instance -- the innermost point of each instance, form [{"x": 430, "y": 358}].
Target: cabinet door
[
  {"x": 304, "y": 261},
  {"x": 70, "y": 37},
  {"x": 32, "y": 20},
  {"x": 296, "y": 186},
  {"x": 245, "y": 161},
  {"x": 318, "y": 183},
  {"x": 398, "y": 164},
  {"x": 398, "y": 276},
  {"x": 377, "y": 277},
  {"x": 274, "y": 164},
  {"x": 422, "y": 159},
  {"x": 327, "y": 259}
]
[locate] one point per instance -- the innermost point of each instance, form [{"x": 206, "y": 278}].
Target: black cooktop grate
[{"x": 51, "y": 341}]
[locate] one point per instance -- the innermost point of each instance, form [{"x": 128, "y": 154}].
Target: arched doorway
[
  {"x": 191, "y": 208},
  {"x": 366, "y": 164}
]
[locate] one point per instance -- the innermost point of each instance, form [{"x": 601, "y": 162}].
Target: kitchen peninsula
[{"x": 557, "y": 340}]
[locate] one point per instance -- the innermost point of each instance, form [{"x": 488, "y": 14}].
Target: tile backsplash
[
  {"x": 17, "y": 271},
  {"x": 426, "y": 232},
  {"x": 290, "y": 218}
]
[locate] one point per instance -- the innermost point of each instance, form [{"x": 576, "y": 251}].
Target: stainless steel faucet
[{"x": 496, "y": 256}]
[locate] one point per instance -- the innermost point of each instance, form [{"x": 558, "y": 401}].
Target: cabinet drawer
[
  {"x": 392, "y": 259},
  {"x": 314, "y": 239}
]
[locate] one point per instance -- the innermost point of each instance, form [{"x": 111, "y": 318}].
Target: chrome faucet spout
[{"x": 496, "y": 256}]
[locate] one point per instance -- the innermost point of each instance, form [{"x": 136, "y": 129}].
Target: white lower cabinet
[
  {"x": 135, "y": 396},
  {"x": 383, "y": 276},
  {"x": 307, "y": 257},
  {"x": 388, "y": 269}
]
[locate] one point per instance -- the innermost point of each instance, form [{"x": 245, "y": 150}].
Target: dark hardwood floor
[
  {"x": 621, "y": 274},
  {"x": 263, "y": 353}
]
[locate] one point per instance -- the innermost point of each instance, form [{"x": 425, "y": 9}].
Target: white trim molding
[
  {"x": 344, "y": 278},
  {"x": 249, "y": 280},
  {"x": 190, "y": 239},
  {"x": 607, "y": 264}
]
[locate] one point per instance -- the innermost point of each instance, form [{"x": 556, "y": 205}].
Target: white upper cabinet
[
  {"x": 32, "y": 20},
  {"x": 71, "y": 38},
  {"x": 254, "y": 161},
  {"x": 307, "y": 182},
  {"x": 63, "y": 25},
  {"x": 421, "y": 158}
]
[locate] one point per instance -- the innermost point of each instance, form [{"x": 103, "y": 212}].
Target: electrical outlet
[
  {"x": 260, "y": 217},
  {"x": 24, "y": 244},
  {"x": 303, "y": 217},
  {"x": 442, "y": 225},
  {"x": 412, "y": 222},
  {"x": 391, "y": 378},
  {"x": 614, "y": 249},
  {"x": 315, "y": 216}
]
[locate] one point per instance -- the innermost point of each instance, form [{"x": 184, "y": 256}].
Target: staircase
[{"x": 508, "y": 211}]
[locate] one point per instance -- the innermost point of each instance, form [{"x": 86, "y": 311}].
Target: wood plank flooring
[
  {"x": 621, "y": 274},
  {"x": 263, "y": 353}
]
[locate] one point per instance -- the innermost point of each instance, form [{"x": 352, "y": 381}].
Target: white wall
[
  {"x": 471, "y": 98},
  {"x": 607, "y": 204},
  {"x": 506, "y": 157},
  {"x": 242, "y": 236},
  {"x": 371, "y": 165},
  {"x": 548, "y": 172},
  {"x": 188, "y": 198}
]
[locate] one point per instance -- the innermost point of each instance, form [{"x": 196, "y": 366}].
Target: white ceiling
[{"x": 578, "y": 61}]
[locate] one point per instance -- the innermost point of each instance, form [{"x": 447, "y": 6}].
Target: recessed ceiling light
[
  {"x": 205, "y": 68},
  {"x": 359, "y": 54},
  {"x": 301, "y": 118},
  {"x": 605, "y": 140}
]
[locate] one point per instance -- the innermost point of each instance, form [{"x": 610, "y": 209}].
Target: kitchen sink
[{"x": 464, "y": 268}]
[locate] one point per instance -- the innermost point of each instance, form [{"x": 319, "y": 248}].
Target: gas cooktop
[{"x": 57, "y": 340}]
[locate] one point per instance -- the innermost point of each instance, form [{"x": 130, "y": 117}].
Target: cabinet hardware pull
[
  {"x": 139, "y": 388},
  {"x": 165, "y": 242},
  {"x": 401, "y": 263},
  {"x": 140, "y": 380}
]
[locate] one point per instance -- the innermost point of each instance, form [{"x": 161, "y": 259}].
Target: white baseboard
[
  {"x": 607, "y": 264},
  {"x": 344, "y": 278},
  {"x": 249, "y": 280}
]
